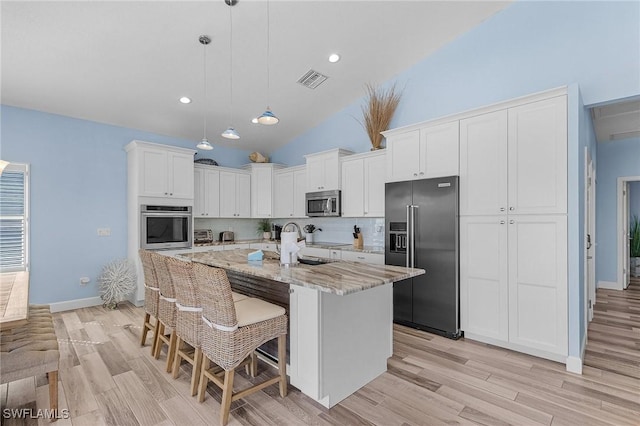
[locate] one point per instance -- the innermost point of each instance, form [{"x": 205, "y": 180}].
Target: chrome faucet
[{"x": 297, "y": 227}]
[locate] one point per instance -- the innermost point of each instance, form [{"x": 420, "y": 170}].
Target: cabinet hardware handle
[
  {"x": 512, "y": 208},
  {"x": 290, "y": 291},
  {"x": 502, "y": 222},
  {"x": 512, "y": 222},
  {"x": 166, "y": 193},
  {"x": 415, "y": 174},
  {"x": 360, "y": 257},
  {"x": 421, "y": 173},
  {"x": 502, "y": 209}
]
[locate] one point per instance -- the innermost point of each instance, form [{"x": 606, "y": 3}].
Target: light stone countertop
[
  {"x": 326, "y": 245},
  {"x": 338, "y": 277}
]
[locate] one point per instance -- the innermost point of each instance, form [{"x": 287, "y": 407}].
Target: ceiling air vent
[{"x": 312, "y": 79}]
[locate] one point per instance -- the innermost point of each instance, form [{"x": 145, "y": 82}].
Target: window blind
[{"x": 13, "y": 218}]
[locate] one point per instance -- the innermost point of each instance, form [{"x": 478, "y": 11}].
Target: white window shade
[{"x": 14, "y": 216}]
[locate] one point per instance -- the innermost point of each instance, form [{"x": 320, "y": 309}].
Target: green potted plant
[
  {"x": 634, "y": 247},
  {"x": 264, "y": 228},
  {"x": 309, "y": 230}
]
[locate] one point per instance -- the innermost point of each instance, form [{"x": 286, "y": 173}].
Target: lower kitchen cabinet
[
  {"x": 356, "y": 256},
  {"x": 513, "y": 282}
]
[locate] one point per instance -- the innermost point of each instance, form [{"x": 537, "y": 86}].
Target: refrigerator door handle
[
  {"x": 408, "y": 242},
  {"x": 413, "y": 236}
]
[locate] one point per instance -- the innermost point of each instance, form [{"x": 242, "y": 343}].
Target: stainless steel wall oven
[{"x": 165, "y": 227}]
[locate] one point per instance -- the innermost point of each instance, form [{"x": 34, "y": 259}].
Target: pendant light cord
[
  {"x": 204, "y": 109},
  {"x": 231, "y": 65},
  {"x": 268, "y": 53}
]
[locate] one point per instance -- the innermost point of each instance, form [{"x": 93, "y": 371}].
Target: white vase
[
  {"x": 309, "y": 238},
  {"x": 266, "y": 235}
]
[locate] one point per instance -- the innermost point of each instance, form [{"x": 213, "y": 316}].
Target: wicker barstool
[
  {"x": 151, "y": 297},
  {"x": 232, "y": 332},
  {"x": 166, "y": 309},
  {"x": 188, "y": 319}
]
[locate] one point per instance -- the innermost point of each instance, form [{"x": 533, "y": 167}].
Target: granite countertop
[
  {"x": 324, "y": 245},
  {"x": 338, "y": 277}
]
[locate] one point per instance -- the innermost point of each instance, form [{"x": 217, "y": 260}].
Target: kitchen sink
[{"x": 308, "y": 260}]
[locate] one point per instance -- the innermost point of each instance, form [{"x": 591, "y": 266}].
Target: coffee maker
[{"x": 275, "y": 231}]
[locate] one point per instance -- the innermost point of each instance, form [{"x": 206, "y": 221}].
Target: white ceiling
[
  {"x": 127, "y": 63},
  {"x": 617, "y": 121}
]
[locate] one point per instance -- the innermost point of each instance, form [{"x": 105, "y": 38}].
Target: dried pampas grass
[{"x": 378, "y": 111}]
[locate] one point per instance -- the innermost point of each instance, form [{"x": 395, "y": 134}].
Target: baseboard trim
[
  {"x": 611, "y": 285},
  {"x": 574, "y": 363},
  {"x": 70, "y": 305}
]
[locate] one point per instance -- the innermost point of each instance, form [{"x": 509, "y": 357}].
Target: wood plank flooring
[{"x": 106, "y": 378}]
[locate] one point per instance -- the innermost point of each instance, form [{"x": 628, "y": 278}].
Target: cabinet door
[
  {"x": 243, "y": 197},
  {"x": 404, "y": 161},
  {"x": 353, "y": 188},
  {"x": 299, "y": 193},
  {"x": 316, "y": 174},
  {"x": 153, "y": 173},
  {"x": 439, "y": 150},
  {"x": 228, "y": 194},
  {"x": 212, "y": 193},
  {"x": 538, "y": 157},
  {"x": 538, "y": 282},
  {"x": 262, "y": 193},
  {"x": 199, "y": 201},
  {"x": 180, "y": 177},
  {"x": 484, "y": 301},
  {"x": 283, "y": 188},
  {"x": 374, "y": 180},
  {"x": 483, "y": 164},
  {"x": 304, "y": 340}
]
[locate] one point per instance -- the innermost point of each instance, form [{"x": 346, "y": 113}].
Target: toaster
[{"x": 226, "y": 236}]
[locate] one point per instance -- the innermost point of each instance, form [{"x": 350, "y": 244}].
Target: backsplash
[{"x": 334, "y": 229}]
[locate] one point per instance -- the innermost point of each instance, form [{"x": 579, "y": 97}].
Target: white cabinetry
[
  {"x": 363, "y": 182},
  {"x": 206, "y": 188},
  {"x": 235, "y": 193},
  {"x": 162, "y": 171},
  {"x": 515, "y": 160},
  {"x": 262, "y": 188},
  {"x": 290, "y": 187},
  {"x": 513, "y": 226},
  {"x": 422, "y": 151},
  {"x": 323, "y": 170},
  {"x": 356, "y": 256}
]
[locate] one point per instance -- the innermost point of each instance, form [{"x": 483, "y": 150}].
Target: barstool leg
[
  {"x": 282, "y": 363},
  {"x": 171, "y": 350},
  {"x": 195, "y": 373},
  {"x": 202, "y": 386},
  {"x": 227, "y": 394},
  {"x": 177, "y": 359},
  {"x": 156, "y": 352},
  {"x": 145, "y": 329}
]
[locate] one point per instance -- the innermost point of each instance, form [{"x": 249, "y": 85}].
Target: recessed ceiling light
[
  {"x": 334, "y": 57},
  {"x": 185, "y": 100}
]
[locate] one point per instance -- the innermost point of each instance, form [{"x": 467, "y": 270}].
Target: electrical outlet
[
  {"x": 84, "y": 281},
  {"x": 104, "y": 232},
  {"x": 379, "y": 228}
]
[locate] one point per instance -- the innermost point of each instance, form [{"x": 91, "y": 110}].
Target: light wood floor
[{"x": 106, "y": 378}]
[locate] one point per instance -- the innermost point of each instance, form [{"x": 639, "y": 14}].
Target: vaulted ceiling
[{"x": 128, "y": 63}]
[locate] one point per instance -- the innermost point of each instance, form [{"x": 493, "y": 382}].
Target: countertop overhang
[{"x": 338, "y": 277}]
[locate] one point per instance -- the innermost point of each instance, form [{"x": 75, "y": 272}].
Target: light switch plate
[{"x": 104, "y": 232}]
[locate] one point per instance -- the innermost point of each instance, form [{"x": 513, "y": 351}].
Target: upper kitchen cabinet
[
  {"x": 289, "y": 189},
  {"x": 161, "y": 171},
  {"x": 235, "y": 193},
  {"x": 422, "y": 151},
  {"x": 323, "y": 170},
  {"x": 514, "y": 160},
  {"x": 363, "y": 182},
  {"x": 206, "y": 193},
  {"x": 262, "y": 188}
]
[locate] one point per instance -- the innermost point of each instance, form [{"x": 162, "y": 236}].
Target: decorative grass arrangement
[
  {"x": 635, "y": 238},
  {"x": 378, "y": 111}
]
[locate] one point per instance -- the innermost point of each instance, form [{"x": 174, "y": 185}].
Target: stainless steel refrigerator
[{"x": 421, "y": 224}]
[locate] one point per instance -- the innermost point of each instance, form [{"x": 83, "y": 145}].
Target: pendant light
[
  {"x": 204, "y": 143},
  {"x": 268, "y": 117},
  {"x": 230, "y": 133}
]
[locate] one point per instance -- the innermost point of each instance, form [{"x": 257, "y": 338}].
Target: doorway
[
  {"x": 590, "y": 232},
  {"x": 624, "y": 218}
]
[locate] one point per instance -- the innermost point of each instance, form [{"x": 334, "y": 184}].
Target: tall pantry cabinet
[{"x": 513, "y": 226}]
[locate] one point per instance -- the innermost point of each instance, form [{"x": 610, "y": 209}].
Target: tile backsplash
[{"x": 334, "y": 229}]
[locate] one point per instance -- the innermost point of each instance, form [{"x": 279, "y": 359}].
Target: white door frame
[
  {"x": 623, "y": 229},
  {"x": 589, "y": 231}
]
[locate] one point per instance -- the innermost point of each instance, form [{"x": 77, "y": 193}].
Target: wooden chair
[
  {"x": 166, "y": 309},
  {"x": 188, "y": 319},
  {"x": 232, "y": 332},
  {"x": 151, "y": 298},
  {"x": 31, "y": 350}
]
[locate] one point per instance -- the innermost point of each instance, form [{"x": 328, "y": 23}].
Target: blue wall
[
  {"x": 615, "y": 159},
  {"x": 528, "y": 47},
  {"x": 78, "y": 184}
]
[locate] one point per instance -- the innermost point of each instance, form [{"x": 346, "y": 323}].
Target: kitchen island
[{"x": 340, "y": 317}]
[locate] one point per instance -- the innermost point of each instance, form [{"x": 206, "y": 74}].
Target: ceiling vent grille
[{"x": 312, "y": 79}]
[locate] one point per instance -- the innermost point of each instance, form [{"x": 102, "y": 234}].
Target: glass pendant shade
[
  {"x": 204, "y": 144},
  {"x": 268, "y": 118},
  {"x": 230, "y": 133}
]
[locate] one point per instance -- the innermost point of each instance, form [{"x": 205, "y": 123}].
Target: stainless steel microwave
[
  {"x": 323, "y": 203},
  {"x": 165, "y": 227}
]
